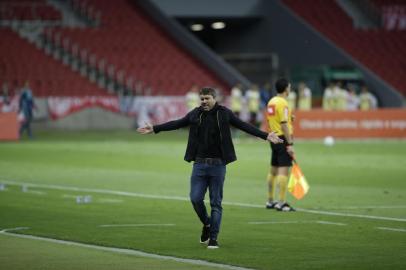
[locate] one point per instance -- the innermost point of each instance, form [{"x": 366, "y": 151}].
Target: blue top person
[{"x": 26, "y": 105}]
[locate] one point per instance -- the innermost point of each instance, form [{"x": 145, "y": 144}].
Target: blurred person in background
[
  {"x": 253, "y": 100},
  {"x": 292, "y": 100},
  {"x": 305, "y": 97},
  {"x": 26, "y": 106},
  {"x": 367, "y": 100},
  {"x": 265, "y": 94},
  {"x": 219, "y": 97},
  {"x": 211, "y": 148},
  {"x": 236, "y": 103},
  {"x": 279, "y": 118},
  {"x": 341, "y": 97},
  {"x": 236, "y": 100},
  {"x": 6, "y": 102},
  {"x": 328, "y": 99},
  {"x": 192, "y": 98},
  {"x": 352, "y": 99}
]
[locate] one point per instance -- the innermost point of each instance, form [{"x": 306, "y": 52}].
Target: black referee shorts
[{"x": 280, "y": 157}]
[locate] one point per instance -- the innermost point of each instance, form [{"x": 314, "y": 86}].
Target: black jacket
[{"x": 225, "y": 118}]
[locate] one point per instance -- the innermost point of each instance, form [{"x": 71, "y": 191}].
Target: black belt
[{"x": 210, "y": 161}]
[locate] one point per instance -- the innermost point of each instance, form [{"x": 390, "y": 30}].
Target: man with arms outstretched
[{"x": 210, "y": 147}]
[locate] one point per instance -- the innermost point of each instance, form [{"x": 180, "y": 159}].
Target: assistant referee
[{"x": 279, "y": 118}]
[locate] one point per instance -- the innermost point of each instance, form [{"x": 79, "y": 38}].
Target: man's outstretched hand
[
  {"x": 272, "y": 137},
  {"x": 148, "y": 129}
]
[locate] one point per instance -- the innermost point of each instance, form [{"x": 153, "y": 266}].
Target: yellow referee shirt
[{"x": 277, "y": 113}]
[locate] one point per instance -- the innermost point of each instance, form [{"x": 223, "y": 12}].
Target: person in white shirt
[
  {"x": 328, "y": 99},
  {"x": 340, "y": 96},
  {"x": 367, "y": 100},
  {"x": 236, "y": 99},
  {"x": 253, "y": 100},
  {"x": 305, "y": 97},
  {"x": 192, "y": 98},
  {"x": 352, "y": 99},
  {"x": 292, "y": 99}
]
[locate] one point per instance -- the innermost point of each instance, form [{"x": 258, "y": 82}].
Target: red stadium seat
[
  {"x": 23, "y": 61},
  {"x": 379, "y": 50},
  {"x": 131, "y": 42}
]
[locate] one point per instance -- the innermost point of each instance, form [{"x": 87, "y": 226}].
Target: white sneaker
[
  {"x": 284, "y": 207},
  {"x": 213, "y": 244},
  {"x": 270, "y": 205}
]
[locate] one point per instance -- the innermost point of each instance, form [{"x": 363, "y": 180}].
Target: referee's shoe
[
  {"x": 284, "y": 207},
  {"x": 270, "y": 205}
]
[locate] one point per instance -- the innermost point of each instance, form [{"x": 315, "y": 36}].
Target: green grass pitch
[{"x": 354, "y": 216}]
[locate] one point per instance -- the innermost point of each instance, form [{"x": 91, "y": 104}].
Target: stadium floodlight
[
  {"x": 197, "y": 27},
  {"x": 218, "y": 25}
]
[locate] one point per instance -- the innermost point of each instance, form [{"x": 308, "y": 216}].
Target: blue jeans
[{"x": 208, "y": 176}]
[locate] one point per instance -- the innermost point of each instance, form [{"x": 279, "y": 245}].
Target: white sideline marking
[
  {"x": 371, "y": 206},
  {"x": 126, "y": 251},
  {"x": 14, "y": 229},
  {"x": 350, "y": 215},
  {"x": 162, "y": 197},
  {"x": 102, "y": 191},
  {"x": 277, "y": 222},
  {"x": 391, "y": 229},
  {"x": 101, "y": 200},
  {"x": 298, "y": 221},
  {"x": 331, "y": 223},
  {"x": 135, "y": 225}
]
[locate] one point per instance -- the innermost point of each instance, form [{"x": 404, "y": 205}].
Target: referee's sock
[
  {"x": 271, "y": 187},
  {"x": 283, "y": 187}
]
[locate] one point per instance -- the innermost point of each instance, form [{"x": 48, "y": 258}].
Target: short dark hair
[
  {"x": 208, "y": 91},
  {"x": 281, "y": 85}
]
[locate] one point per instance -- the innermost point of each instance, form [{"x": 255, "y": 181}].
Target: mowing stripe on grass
[
  {"x": 69, "y": 196},
  {"x": 25, "y": 189},
  {"x": 149, "y": 196},
  {"x": 135, "y": 225},
  {"x": 110, "y": 201},
  {"x": 391, "y": 229},
  {"x": 35, "y": 192},
  {"x": 124, "y": 251}
]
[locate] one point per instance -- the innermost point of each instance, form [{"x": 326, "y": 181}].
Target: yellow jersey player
[
  {"x": 192, "y": 98},
  {"x": 280, "y": 121},
  {"x": 305, "y": 97},
  {"x": 236, "y": 99}
]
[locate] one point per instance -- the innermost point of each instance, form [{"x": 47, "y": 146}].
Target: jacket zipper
[{"x": 218, "y": 123}]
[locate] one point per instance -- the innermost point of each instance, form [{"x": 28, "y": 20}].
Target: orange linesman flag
[{"x": 297, "y": 185}]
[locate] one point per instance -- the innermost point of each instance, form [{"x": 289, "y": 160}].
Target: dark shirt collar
[{"x": 213, "y": 110}]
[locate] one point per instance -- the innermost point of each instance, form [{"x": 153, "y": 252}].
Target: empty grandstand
[
  {"x": 380, "y": 50},
  {"x": 127, "y": 50}
]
